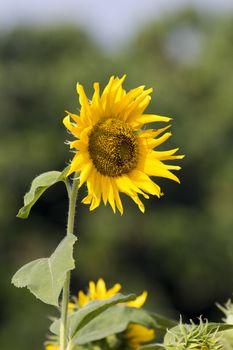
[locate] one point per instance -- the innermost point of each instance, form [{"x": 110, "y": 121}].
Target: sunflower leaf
[
  {"x": 39, "y": 185},
  {"x": 112, "y": 321},
  {"x": 163, "y": 322},
  {"x": 219, "y": 327},
  {"x": 86, "y": 314},
  {"x": 45, "y": 277}
]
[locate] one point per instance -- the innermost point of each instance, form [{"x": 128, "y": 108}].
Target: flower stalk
[{"x": 66, "y": 288}]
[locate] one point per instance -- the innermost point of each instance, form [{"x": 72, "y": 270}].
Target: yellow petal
[
  {"x": 160, "y": 140},
  {"x": 118, "y": 199},
  {"x": 51, "y": 347},
  {"x": 85, "y": 172},
  {"x": 151, "y": 118},
  {"x": 79, "y": 145},
  {"x": 79, "y": 160},
  {"x": 85, "y": 112},
  {"x": 101, "y": 289},
  {"x": 114, "y": 290},
  {"x": 71, "y": 306},
  {"x": 87, "y": 199},
  {"x": 139, "y": 301},
  {"x": 75, "y": 117},
  {"x": 137, "y": 334},
  {"x": 138, "y": 106},
  {"x": 167, "y": 155},
  {"x": 96, "y": 192},
  {"x": 92, "y": 290},
  {"x": 112, "y": 94},
  {"x": 111, "y": 197},
  {"x": 127, "y": 186},
  {"x": 126, "y": 101},
  {"x": 145, "y": 183},
  {"x": 153, "y": 168},
  {"x": 82, "y": 299},
  {"x": 106, "y": 91},
  {"x": 70, "y": 126},
  {"x": 105, "y": 188}
]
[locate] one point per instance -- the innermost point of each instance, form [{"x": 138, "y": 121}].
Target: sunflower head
[
  {"x": 113, "y": 151},
  {"x": 117, "y": 147},
  {"x": 51, "y": 346},
  {"x": 99, "y": 291},
  {"x": 136, "y": 335},
  {"x": 192, "y": 337}
]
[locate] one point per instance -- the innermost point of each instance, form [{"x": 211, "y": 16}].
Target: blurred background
[{"x": 181, "y": 249}]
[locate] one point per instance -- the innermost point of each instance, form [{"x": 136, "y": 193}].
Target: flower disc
[{"x": 113, "y": 147}]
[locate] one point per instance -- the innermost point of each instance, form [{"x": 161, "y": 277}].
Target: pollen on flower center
[{"x": 113, "y": 147}]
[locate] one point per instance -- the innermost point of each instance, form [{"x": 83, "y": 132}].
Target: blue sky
[{"x": 108, "y": 21}]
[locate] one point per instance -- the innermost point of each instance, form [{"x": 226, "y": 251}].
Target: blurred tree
[{"x": 188, "y": 58}]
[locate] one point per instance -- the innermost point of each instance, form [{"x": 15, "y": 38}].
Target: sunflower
[
  {"x": 99, "y": 291},
  {"x": 51, "y": 346},
  {"x": 133, "y": 336},
  {"x": 137, "y": 334},
  {"x": 113, "y": 152}
]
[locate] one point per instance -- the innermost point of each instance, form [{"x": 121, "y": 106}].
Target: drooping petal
[
  {"x": 70, "y": 126},
  {"x": 111, "y": 198},
  {"x": 167, "y": 155},
  {"x": 156, "y": 168},
  {"x": 139, "y": 301},
  {"x": 79, "y": 160},
  {"x": 145, "y": 183},
  {"x": 79, "y": 145},
  {"x": 125, "y": 185},
  {"x": 118, "y": 199},
  {"x": 85, "y": 173},
  {"x": 114, "y": 290}
]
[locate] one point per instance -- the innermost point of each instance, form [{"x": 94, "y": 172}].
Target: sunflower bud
[{"x": 193, "y": 337}]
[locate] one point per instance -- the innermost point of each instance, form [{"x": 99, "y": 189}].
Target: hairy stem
[{"x": 66, "y": 288}]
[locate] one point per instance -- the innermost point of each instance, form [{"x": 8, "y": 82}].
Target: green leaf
[
  {"x": 45, "y": 277},
  {"x": 39, "y": 185},
  {"x": 83, "y": 316},
  {"x": 220, "y": 327},
  {"x": 163, "y": 323},
  {"x": 114, "y": 320}
]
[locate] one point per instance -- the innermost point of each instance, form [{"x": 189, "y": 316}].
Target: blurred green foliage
[{"x": 181, "y": 249}]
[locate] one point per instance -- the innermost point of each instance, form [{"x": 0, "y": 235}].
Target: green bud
[{"x": 192, "y": 337}]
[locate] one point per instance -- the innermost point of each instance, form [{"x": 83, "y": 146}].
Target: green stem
[{"x": 66, "y": 288}]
